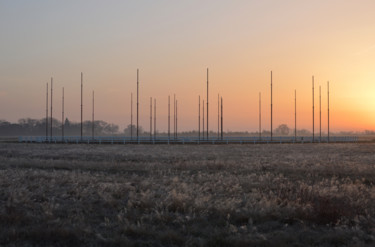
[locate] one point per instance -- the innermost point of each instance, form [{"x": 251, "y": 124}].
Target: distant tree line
[{"x": 37, "y": 127}]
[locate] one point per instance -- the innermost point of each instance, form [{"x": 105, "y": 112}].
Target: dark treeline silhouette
[{"x": 37, "y": 127}]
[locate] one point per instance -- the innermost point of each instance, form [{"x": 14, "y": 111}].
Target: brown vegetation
[{"x": 144, "y": 195}]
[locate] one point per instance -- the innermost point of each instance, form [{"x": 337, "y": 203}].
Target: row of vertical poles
[
  {"x": 175, "y": 120},
  {"x": 295, "y": 112},
  {"x": 199, "y": 114},
  {"x": 320, "y": 111},
  {"x": 175, "y": 131},
  {"x": 50, "y": 122},
  {"x": 219, "y": 118},
  {"x": 151, "y": 118},
  {"x": 175, "y": 112}
]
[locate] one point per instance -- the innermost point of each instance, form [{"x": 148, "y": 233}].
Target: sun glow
[{"x": 173, "y": 44}]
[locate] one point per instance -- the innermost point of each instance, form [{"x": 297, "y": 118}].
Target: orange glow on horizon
[{"x": 239, "y": 42}]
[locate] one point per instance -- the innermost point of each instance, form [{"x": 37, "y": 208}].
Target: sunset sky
[{"x": 173, "y": 42}]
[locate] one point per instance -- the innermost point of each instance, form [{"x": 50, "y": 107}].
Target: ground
[{"x": 187, "y": 195}]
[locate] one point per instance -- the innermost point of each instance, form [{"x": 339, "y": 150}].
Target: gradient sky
[{"x": 173, "y": 42}]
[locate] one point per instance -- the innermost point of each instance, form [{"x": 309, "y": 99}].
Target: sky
[{"x": 172, "y": 43}]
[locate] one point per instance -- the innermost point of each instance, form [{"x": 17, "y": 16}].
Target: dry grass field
[{"x": 187, "y": 195}]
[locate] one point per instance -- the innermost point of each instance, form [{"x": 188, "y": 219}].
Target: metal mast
[
  {"x": 271, "y": 105},
  {"x": 176, "y": 121},
  {"x": 218, "y": 115},
  {"x": 131, "y": 116},
  {"x": 260, "y": 116},
  {"x": 150, "y": 118},
  {"x": 207, "y": 104},
  {"x": 62, "y": 116},
  {"x": 93, "y": 111},
  {"x": 328, "y": 106},
  {"x": 203, "y": 119},
  {"x": 221, "y": 118},
  {"x": 320, "y": 114},
  {"x": 174, "y": 116},
  {"x": 51, "y": 106},
  {"x": 169, "y": 118},
  {"x": 199, "y": 118},
  {"x": 313, "y": 133},
  {"x": 81, "y": 104},
  {"x": 295, "y": 114},
  {"x": 137, "y": 103},
  {"x": 154, "y": 118},
  {"x": 47, "y": 113}
]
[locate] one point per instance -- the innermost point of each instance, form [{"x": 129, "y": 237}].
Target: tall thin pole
[
  {"x": 93, "y": 112},
  {"x": 169, "y": 117},
  {"x": 199, "y": 118},
  {"x": 271, "y": 105},
  {"x": 207, "y": 104},
  {"x": 150, "y": 118},
  {"x": 137, "y": 103},
  {"x": 221, "y": 118},
  {"x": 62, "y": 116},
  {"x": 203, "y": 119},
  {"x": 218, "y": 115},
  {"x": 328, "y": 106},
  {"x": 47, "y": 113},
  {"x": 260, "y": 116},
  {"x": 174, "y": 116},
  {"x": 51, "y": 106},
  {"x": 131, "y": 116},
  {"x": 313, "y": 110},
  {"x": 176, "y": 121},
  {"x": 81, "y": 104},
  {"x": 154, "y": 118},
  {"x": 295, "y": 114},
  {"x": 320, "y": 114}
]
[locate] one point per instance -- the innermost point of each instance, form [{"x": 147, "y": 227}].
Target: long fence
[{"x": 185, "y": 140}]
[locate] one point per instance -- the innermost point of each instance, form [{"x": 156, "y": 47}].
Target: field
[{"x": 187, "y": 195}]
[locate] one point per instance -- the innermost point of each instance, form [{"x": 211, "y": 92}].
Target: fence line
[{"x": 184, "y": 140}]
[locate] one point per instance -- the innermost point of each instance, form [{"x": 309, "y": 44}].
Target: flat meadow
[{"x": 187, "y": 195}]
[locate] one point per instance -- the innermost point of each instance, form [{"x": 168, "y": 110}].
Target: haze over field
[{"x": 173, "y": 42}]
